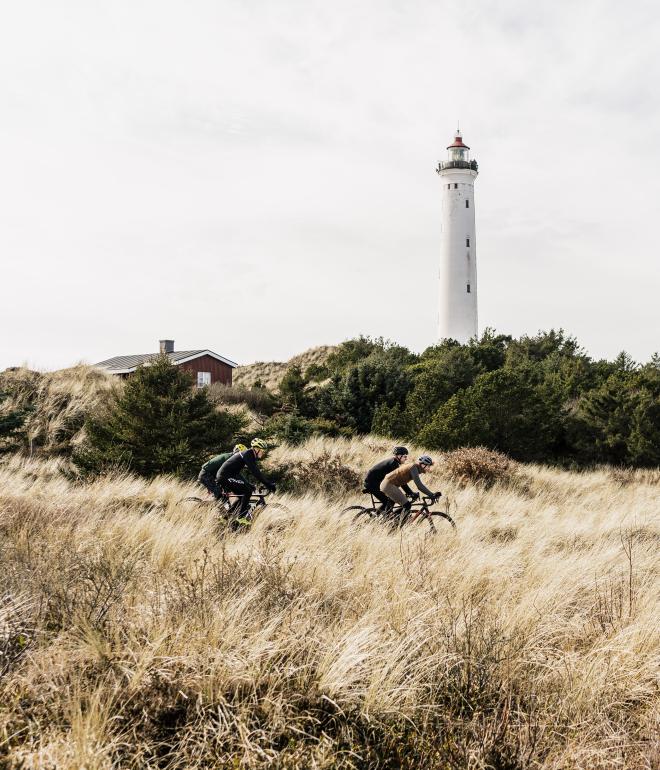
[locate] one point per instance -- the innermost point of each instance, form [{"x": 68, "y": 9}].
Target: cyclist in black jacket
[
  {"x": 376, "y": 475},
  {"x": 229, "y": 475}
]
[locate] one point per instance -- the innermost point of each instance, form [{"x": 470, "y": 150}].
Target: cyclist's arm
[
  {"x": 419, "y": 484},
  {"x": 251, "y": 465},
  {"x": 406, "y": 488}
]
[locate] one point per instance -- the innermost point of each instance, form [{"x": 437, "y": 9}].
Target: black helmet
[{"x": 400, "y": 450}]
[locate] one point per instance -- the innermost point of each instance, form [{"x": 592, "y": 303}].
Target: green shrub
[
  {"x": 323, "y": 427},
  {"x": 316, "y": 373},
  {"x": 158, "y": 424},
  {"x": 288, "y": 428},
  {"x": 392, "y": 421},
  {"x": 294, "y": 429},
  {"x": 502, "y": 411},
  {"x": 11, "y": 423}
]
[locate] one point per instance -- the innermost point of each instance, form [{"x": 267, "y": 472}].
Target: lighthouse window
[
  {"x": 448, "y": 186},
  {"x": 467, "y": 241},
  {"x": 467, "y": 203},
  {"x": 455, "y": 186},
  {"x": 468, "y": 288}
]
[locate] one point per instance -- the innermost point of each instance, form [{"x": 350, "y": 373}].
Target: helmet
[
  {"x": 259, "y": 443},
  {"x": 239, "y": 448},
  {"x": 400, "y": 450},
  {"x": 425, "y": 460}
]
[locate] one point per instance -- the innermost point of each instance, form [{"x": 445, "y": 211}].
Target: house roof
[{"x": 126, "y": 364}]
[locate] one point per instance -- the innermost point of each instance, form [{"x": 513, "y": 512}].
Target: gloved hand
[
  {"x": 437, "y": 495},
  {"x": 270, "y": 487},
  {"x": 414, "y": 496}
]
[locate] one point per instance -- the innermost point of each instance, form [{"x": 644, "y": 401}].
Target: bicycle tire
[
  {"x": 352, "y": 509},
  {"x": 275, "y": 507},
  {"x": 364, "y": 515},
  {"x": 198, "y": 500},
  {"x": 444, "y": 516},
  {"x": 428, "y": 518}
]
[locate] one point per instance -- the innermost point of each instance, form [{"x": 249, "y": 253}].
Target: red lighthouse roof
[{"x": 458, "y": 142}]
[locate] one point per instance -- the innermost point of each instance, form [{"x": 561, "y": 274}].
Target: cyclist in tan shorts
[{"x": 392, "y": 483}]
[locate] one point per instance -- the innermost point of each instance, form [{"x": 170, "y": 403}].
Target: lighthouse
[{"x": 458, "y": 254}]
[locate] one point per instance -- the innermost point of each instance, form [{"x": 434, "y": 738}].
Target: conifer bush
[{"x": 158, "y": 424}]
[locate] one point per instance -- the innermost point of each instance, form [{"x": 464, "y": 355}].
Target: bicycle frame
[
  {"x": 423, "y": 508},
  {"x": 257, "y": 499},
  {"x": 423, "y": 505},
  {"x": 409, "y": 513}
]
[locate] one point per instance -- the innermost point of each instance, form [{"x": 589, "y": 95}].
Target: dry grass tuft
[
  {"x": 478, "y": 465},
  {"x": 626, "y": 476}
]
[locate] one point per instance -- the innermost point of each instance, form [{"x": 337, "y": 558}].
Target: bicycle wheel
[
  {"x": 352, "y": 509},
  {"x": 278, "y": 507},
  {"x": 435, "y": 517},
  {"x": 363, "y": 515},
  {"x": 197, "y": 502}
]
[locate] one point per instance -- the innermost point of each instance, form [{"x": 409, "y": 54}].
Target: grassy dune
[
  {"x": 133, "y": 634},
  {"x": 270, "y": 373}
]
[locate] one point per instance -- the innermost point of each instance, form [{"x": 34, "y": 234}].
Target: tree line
[{"x": 537, "y": 398}]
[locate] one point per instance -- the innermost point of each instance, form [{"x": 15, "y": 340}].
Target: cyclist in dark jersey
[
  {"x": 230, "y": 479},
  {"x": 376, "y": 475},
  {"x": 207, "y": 475}
]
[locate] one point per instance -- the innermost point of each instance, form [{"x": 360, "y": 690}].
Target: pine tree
[{"x": 158, "y": 424}]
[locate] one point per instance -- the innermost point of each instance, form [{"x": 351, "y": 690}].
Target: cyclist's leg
[
  {"x": 395, "y": 494},
  {"x": 240, "y": 487},
  {"x": 398, "y": 496},
  {"x": 207, "y": 480},
  {"x": 385, "y": 502}
]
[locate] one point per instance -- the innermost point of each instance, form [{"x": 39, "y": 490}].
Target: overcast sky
[{"x": 258, "y": 177}]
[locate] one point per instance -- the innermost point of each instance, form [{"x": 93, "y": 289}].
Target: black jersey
[
  {"x": 231, "y": 468},
  {"x": 378, "y": 473}
]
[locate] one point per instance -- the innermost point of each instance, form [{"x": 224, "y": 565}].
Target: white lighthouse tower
[{"x": 458, "y": 254}]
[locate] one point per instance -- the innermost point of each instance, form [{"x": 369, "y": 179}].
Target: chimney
[{"x": 167, "y": 346}]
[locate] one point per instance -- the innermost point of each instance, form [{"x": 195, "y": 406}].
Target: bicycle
[
  {"x": 399, "y": 516},
  {"x": 228, "y": 505}
]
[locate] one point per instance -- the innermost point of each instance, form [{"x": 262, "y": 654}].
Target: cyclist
[
  {"x": 399, "y": 478},
  {"x": 207, "y": 475},
  {"x": 378, "y": 472},
  {"x": 230, "y": 479}
]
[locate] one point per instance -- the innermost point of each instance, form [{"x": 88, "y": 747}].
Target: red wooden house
[{"x": 207, "y": 367}]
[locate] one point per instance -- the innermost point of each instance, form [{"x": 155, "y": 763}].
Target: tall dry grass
[
  {"x": 58, "y": 401},
  {"x": 133, "y": 634}
]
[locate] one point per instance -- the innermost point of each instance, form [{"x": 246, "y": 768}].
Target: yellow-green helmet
[
  {"x": 259, "y": 443},
  {"x": 239, "y": 448}
]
